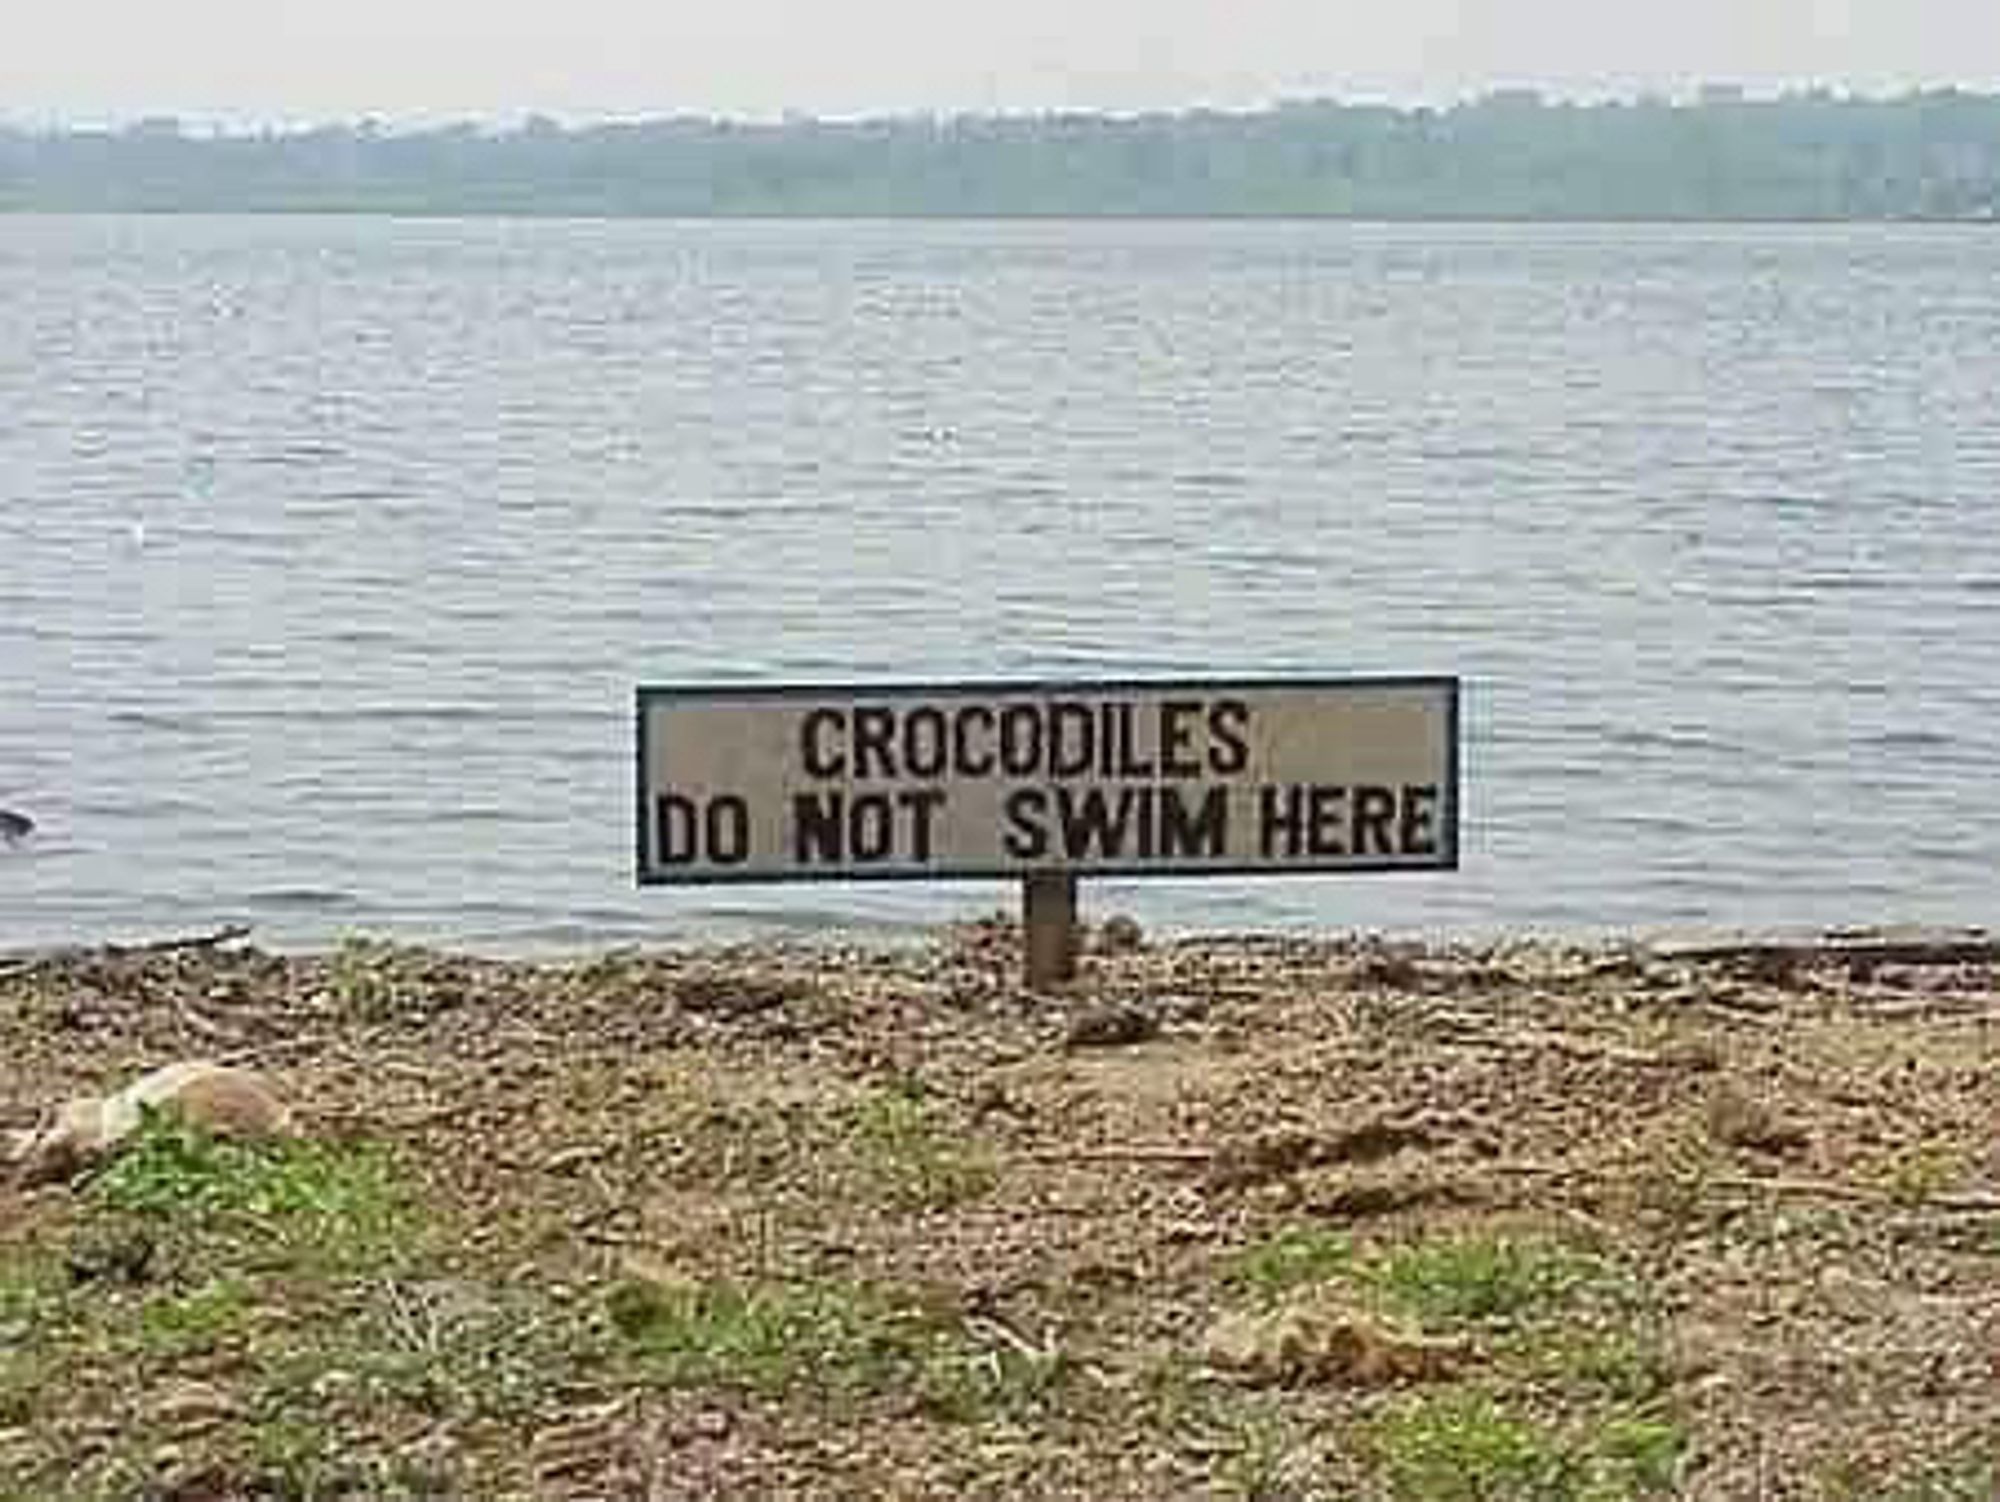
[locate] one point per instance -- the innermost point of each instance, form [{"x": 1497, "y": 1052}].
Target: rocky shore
[{"x": 1244, "y": 1217}]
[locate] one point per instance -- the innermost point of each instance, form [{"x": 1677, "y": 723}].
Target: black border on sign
[{"x": 1446, "y": 860}]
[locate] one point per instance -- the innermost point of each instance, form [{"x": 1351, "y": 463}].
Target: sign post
[
  {"x": 1048, "y": 921},
  {"x": 1047, "y": 783}
]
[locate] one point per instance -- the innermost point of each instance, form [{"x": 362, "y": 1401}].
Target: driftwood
[
  {"x": 26, "y": 964},
  {"x": 1954, "y": 947},
  {"x": 229, "y": 934}
]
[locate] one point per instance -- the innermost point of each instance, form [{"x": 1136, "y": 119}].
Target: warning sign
[{"x": 995, "y": 780}]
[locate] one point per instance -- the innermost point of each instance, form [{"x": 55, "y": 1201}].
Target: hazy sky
[{"x": 294, "y": 60}]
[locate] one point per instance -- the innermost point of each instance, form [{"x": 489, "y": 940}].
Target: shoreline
[{"x": 1667, "y": 941}]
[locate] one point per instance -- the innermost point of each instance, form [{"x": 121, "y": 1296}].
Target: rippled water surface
[{"x": 331, "y": 550}]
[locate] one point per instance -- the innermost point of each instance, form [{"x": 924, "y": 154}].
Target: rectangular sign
[{"x": 1004, "y": 779}]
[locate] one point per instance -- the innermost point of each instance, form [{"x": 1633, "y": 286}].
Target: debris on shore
[{"x": 214, "y": 1099}]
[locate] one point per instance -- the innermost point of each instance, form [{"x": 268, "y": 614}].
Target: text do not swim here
[
  {"x": 1180, "y": 780},
  {"x": 1072, "y": 825}
]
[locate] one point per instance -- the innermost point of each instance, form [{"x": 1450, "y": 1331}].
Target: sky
[{"x": 273, "y": 62}]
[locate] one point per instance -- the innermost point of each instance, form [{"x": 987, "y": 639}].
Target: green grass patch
[
  {"x": 1970, "y": 1475},
  {"x": 1621, "y": 1366},
  {"x": 335, "y": 1207},
  {"x": 1262, "y": 1462},
  {"x": 1462, "y": 1446},
  {"x": 771, "y": 1338},
  {"x": 293, "y": 1456},
  {"x": 1245, "y": 1440},
  {"x": 362, "y": 979},
  {"x": 1479, "y": 1279},
  {"x": 445, "y": 1349},
  {"x": 28, "y": 1289},
  {"x": 825, "y": 1338},
  {"x": 913, "y": 1157},
  {"x": 1920, "y": 1172},
  {"x": 1297, "y": 1257},
  {"x": 1482, "y": 1279},
  {"x": 1635, "y": 1456},
  {"x": 176, "y": 1325},
  {"x": 33, "y": 1315}
]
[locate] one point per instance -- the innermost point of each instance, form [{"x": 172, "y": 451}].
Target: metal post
[{"x": 1048, "y": 913}]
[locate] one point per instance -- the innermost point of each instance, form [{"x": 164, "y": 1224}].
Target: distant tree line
[{"x": 1510, "y": 155}]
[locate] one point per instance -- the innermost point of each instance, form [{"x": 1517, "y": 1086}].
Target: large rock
[
  {"x": 238, "y": 1104},
  {"x": 1320, "y": 1340}
]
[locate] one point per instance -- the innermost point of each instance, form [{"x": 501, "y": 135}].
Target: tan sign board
[{"x": 1010, "y": 779}]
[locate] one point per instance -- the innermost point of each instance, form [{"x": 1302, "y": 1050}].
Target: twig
[
  {"x": 200, "y": 1022},
  {"x": 18, "y": 964},
  {"x": 1572, "y": 1047},
  {"x": 1761, "y": 1009},
  {"x": 412, "y": 1121},
  {"x": 1955, "y": 1006},
  {"x": 1007, "y": 1335},
  {"x": 251, "y": 1052},
  {"x": 1962, "y": 1204},
  {"x": 213, "y": 940},
  {"x": 1827, "y": 1189},
  {"x": 1476, "y": 1032},
  {"x": 578, "y": 1155},
  {"x": 1883, "y": 949},
  {"x": 1134, "y": 1153}
]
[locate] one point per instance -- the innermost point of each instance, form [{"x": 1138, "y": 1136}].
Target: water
[{"x": 331, "y": 550}]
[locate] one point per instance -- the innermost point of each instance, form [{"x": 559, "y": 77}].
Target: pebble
[
  {"x": 1114, "y": 1026},
  {"x": 1120, "y": 934}
]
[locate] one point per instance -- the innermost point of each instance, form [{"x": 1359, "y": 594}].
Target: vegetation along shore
[
  {"x": 1512, "y": 154},
  {"x": 1230, "y": 1217}
]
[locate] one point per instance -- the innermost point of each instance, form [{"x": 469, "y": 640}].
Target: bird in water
[{"x": 14, "y": 827}]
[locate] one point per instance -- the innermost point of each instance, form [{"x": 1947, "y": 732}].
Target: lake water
[{"x": 332, "y": 549}]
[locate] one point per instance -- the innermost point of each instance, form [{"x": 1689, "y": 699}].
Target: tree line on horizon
[{"x": 1509, "y": 155}]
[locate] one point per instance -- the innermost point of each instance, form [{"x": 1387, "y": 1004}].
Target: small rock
[
  {"x": 113, "y": 1256},
  {"x": 1320, "y": 1342},
  {"x": 1116, "y": 1026},
  {"x": 329, "y": 1385},
  {"x": 730, "y": 996},
  {"x": 189, "y": 1407},
  {"x": 1698, "y": 1056},
  {"x": 1738, "y": 1119},
  {"x": 433, "y": 1453},
  {"x": 1364, "y": 1201},
  {"x": 1263, "y": 1158},
  {"x": 1775, "y": 966},
  {"x": 1280, "y": 1154},
  {"x": 1183, "y": 1008},
  {"x": 235, "y": 1103},
  {"x": 1392, "y": 972},
  {"x": 1119, "y": 934},
  {"x": 713, "y": 1423},
  {"x": 991, "y": 1097}
]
